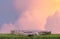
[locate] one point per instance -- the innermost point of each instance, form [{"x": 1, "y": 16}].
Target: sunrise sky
[{"x": 26, "y": 14}]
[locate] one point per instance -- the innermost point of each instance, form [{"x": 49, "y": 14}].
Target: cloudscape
[{"x": 28, "y": 15}]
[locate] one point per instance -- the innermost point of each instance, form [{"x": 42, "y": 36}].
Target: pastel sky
[{"x": 26, "y": 14}]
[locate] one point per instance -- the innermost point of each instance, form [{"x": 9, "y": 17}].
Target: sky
[{"x": 26, "y": 14}]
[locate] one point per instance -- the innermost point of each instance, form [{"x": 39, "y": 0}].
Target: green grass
[{"x": 11, "y": 36}]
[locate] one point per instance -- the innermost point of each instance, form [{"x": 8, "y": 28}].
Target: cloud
[
  {"x": 53, "y": 23},
  {"x": 28, "y": 22},
  {"x": 7, "y": 28},
  {"x": 33, "y": 15}
]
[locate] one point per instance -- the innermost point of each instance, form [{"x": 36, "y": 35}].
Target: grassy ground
[{"x": 10, "y": 36}]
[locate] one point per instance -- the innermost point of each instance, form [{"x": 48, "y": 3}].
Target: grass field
[{"x": 10, "y": 36}]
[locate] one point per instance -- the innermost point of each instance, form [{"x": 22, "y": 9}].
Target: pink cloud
[
  {"x": 34, "y": 14},
  {"x": 53, "y": 23},
  {"x": 7, "y": 28}
]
